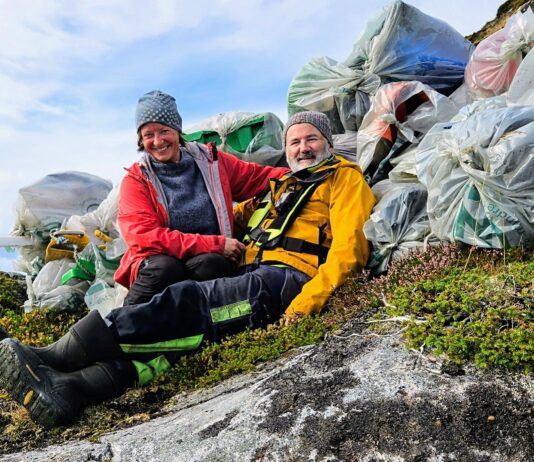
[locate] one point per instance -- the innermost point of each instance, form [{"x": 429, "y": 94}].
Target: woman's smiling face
[{"x": 161, "y": 142}]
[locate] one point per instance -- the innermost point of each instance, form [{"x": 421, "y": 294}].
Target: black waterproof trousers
[
  {"x": 186, "y": 314},
  {"x": 160, "y": 271}
]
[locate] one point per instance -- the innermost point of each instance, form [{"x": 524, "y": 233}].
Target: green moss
[
  {"x": 487, "y": 319},
  {"x": 39, "y": 327},
  {"x": 12, "y": 293},
  {"x": 241, "y": 352}
]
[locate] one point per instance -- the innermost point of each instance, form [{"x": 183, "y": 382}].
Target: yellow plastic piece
[
  {"x": 64, "y": 243},
  {"x": 102, "y": 236}
]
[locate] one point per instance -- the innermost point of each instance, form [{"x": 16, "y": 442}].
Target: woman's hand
[{"x": 233, "y": 249}]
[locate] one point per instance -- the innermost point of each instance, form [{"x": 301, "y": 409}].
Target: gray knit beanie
[
  {"x": 156, "y": 106},
  {"x": 317, "y": 119}
]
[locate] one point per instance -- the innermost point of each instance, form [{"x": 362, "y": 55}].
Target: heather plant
[{"x": 480, "y": 310}]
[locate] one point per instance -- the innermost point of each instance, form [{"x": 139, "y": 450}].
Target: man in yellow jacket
[{"x": 303, "y": 239}]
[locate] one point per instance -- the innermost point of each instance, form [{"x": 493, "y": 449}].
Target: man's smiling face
[{"x": 305, "y": 146}]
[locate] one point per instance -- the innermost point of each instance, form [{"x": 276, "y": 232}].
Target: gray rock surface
[{"x": 355, "y": 398}]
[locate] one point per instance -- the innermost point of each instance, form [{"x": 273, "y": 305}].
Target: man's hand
[
  {"x": 233, "y": 249},
  {"x": 294, "y": 318}
]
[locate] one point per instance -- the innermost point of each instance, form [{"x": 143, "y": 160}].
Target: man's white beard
[{"x": 295, "y": 165}]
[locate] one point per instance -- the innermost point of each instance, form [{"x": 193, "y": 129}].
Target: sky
[{"x": 71, "y": 71}]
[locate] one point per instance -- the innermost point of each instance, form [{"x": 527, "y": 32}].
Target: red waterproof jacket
[{"x": 143, "y": 218}]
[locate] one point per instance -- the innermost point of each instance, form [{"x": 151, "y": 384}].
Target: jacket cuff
[{"x": 219, "y": 244}]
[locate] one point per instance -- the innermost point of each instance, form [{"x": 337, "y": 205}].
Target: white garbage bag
[
  {"x": 46, "y": 291},
  {"x": 398, "y": 225},
  {"x": 495, "y": 61},
  {"x": 479, "y": 173},
  {"x": 400, "y": 112},
  {"x": 493, "y": 102},
  {"x": 345, "y": 145},
  {"x": 326, "y": 86},
  {"x": 102, "y": 220},
  {"x": 46, "y": 204},
  {"x": 404, "y": 170},
  {"x": 103, "y": 297}
]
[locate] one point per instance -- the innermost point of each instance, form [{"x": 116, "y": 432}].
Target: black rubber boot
[
  {"x": 54, "y": 398},
  {"x": 3, "y": 333},
  {"x": 87, "y": 342}
]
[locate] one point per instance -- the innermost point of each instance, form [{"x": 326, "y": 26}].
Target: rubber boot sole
[{"x": 21, "y": 378}]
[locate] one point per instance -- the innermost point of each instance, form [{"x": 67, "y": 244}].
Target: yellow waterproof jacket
[{"x": 338, "y": 209}]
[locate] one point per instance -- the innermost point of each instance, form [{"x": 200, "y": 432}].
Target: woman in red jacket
[{"x": 175, "y": 204}]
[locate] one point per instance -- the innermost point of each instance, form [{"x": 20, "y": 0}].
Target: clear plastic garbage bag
[
  {"x": 100, "y": 222},
  {"x": 104, "y": 267},
  {"x": 345, "y": 145},
  {"x": 103, "y": 297},
  {"x": 478, "y": 173},
  {"x": 402, "y": 43},
  {"x": 46, "y": 291},
  {"x": 494, "y": 102},
  {"x": 403, "y": 110},
  {"x": 398, "y": 225},
  {"x": 495, "y": 61},
  {"x": 330, "y": 87},
  {"x": 404, "y": 170}
]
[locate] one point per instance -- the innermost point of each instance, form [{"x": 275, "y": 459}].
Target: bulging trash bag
[
  {"x": 494, "y": 102},
  {"x": 248, "y": 136},
  {"x": 522, "y": 88},
  {"x": 326, "y": 86},
  {"x": 402, "y": 43},
  {"x": 99, "y": 225},
  {"x": 495, "y": 61},
  {"x": 103, "y": 297},
  {"x": 478, "y": 173},
  {"x": 46, "y": 291},
  {"x": 398, "y": 225},
  {"x": 44, "y": 205},
  {"x": 345, "y": 145},
  {"x": 400, "y": 113}
]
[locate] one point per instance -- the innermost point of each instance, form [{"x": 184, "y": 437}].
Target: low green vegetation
[
  {"x": 472, "y": 315},
  {"x": 464, "y": 305}
]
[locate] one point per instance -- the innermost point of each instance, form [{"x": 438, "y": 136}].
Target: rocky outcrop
[{"x": 355, "y": 397}]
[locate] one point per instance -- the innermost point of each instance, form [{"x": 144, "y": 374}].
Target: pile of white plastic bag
[
  {"x": 448, "y": 159},
  {"x": 70, "y": 219}
]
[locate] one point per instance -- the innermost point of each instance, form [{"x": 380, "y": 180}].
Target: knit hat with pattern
[
  {"x": 156, "y": 106},
  {"x": 317, "y": 119}
]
